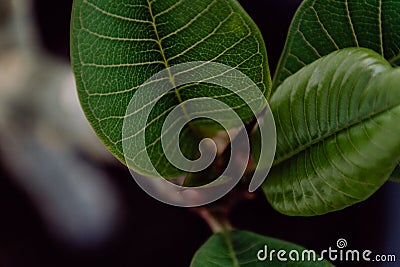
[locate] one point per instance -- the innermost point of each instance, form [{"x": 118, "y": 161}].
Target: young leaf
[
  {"x": 338, "y": 133},
  {"x": 323, "y": 26},
  {"x": 117, "y": 45},
  {"x": 240, "y": 249}
]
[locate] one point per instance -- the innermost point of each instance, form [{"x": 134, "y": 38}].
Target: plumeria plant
[{"x": 330, "y": 114}]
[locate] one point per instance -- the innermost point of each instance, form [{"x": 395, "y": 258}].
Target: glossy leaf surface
[{"x": 338, "y": 133}]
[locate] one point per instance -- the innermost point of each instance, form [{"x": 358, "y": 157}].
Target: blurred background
[{"x": 65, "y": 201}]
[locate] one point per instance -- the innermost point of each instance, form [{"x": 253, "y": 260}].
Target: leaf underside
[
  {"x": 239, "y": 249},
  {"x": 338, "y": 133},
  {"x": 323, "y": 26},
  {"x": 117, "y": 45}
]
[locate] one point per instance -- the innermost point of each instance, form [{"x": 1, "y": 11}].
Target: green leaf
[
  {"x": 395, "y": 176},
  {"x": 117, "y": 45},
  {"x": 338, "y": 133},
  {"x": 240, "y": 249},
  {"x": 323, "y": 26}
]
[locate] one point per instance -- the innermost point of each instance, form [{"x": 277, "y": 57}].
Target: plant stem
[
  {"x": 216, "y": 220},
  {"x": 216, "y": 214}
]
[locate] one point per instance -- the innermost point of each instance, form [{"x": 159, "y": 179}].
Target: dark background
[{"x": 154, "y": 234}]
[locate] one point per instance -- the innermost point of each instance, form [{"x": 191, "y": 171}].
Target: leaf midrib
[
  {"x": 231, "y": 250},
  {"x": 332, "y": 133},
  {"x": 162, "y": 51}
]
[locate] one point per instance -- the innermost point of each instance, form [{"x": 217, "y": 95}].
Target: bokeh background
[{"x": 65, "y": 201}]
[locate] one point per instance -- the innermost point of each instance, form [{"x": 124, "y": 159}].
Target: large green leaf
[
  {"x": 117, "y": 45},
  {"x": 240, "y": 249},
  {"x": 338, "y": 132},
  {"x": 323, "y": 26}
]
